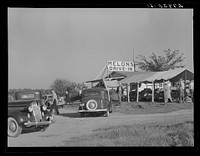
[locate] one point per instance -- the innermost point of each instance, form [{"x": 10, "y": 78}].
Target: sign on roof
[{"x": 120, "y": 66}]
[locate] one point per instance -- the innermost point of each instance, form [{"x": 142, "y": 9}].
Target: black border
[{"x": 84, "y": 4}]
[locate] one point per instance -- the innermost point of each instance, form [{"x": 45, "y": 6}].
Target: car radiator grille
[{"x": 37, "y": 113}]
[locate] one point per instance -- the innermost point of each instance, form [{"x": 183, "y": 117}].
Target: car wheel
[{"x": 14, "y": 130}]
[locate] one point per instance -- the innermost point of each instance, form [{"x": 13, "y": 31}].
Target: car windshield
[
  {"x": 27, "y": 96},
  {"x": 93, "y": 93}
]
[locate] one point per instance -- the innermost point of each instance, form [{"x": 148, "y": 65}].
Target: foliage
[
  {"x": 61, "y": 86},
  {"x": 171, "y": 60}
]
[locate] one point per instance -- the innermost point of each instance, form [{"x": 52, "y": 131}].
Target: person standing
[
  {"x": 119, "y": 91},
  {"x": 191, "y": 87},
  {"x": 54, "y": 105},
  {"x": 167, "y": 92},
  {"x": 67, "y": 97},
  {"x": 181, "y": 90}
]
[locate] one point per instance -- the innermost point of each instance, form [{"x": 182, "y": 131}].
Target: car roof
[
  {"x": 95, "y": 89},
  {"x": 47, "y": 94},
  {"x": 27, "y": 91}
]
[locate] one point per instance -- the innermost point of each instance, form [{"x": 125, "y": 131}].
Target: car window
[
  {"x": 88, "y": 94},
  {"x": 27, "y": 96}
]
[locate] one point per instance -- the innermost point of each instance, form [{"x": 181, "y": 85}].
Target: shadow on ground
[
  {"x": 29, "y": 130},
  {"x": 70, "y": 115},
  {"x": 77, "y": 115}
]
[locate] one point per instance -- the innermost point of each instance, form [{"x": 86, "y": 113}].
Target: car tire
[{"x": 14, "y": 130}]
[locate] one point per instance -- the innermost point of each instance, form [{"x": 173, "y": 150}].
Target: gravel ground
[{"x": 69, "y": 124}]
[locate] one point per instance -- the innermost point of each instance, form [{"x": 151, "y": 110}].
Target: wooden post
[
  {"x": 185, "y": 78},
  {"x": 128, "y": 91},
  {"x": 153, "y": 91},
  {"x": 164, "y": 91},
  {"x": 137, "y": 91}
]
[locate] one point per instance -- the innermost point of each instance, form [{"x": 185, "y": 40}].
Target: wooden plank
[{"x": 137, "y": 91}]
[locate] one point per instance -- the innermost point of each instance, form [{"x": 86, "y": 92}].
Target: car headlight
[
  {"x": 44, "y": 107},
  {"x": 30, "y": 108}
]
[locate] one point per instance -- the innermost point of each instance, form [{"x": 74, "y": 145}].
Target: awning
[
  {"x": 111, "y": 84},
  {"x": 174, "y": 75},
  {"x": 137, "y": 77}
]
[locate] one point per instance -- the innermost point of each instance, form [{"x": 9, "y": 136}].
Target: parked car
[
  {"x": 48, "y": 100},
  {"x": 133, "y": 95},
  {"x": 95, "y": 100},
  {"x": 146, "y": 94},
  {"x": 159, "y": 95},
  {"x": 175, "y": 95},
  {"x": 61, "y": 101},
  {"x": 26, "y": 109}
]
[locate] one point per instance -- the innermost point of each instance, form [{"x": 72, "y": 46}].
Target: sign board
[{"x": 120, "y": 66}]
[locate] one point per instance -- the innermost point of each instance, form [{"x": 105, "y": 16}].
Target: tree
[
  {"x": 171, "y": 60},
  {"x": 61, "y": 86}
]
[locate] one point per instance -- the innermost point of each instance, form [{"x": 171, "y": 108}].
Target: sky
[{"x": 74, "y": 43}]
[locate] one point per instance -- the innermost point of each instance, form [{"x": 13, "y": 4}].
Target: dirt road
[{"x": 70, "y": 124}]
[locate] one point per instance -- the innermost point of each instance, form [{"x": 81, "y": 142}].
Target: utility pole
[{"x": 134, "y": 60}]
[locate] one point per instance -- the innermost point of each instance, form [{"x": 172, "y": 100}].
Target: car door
[{"x": 107, "y": 99}]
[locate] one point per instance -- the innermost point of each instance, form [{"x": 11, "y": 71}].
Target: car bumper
[
  {"x": 39, "y": 123},
  {"x": 90, "y": 111}
]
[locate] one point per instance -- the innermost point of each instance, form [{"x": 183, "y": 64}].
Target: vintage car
[
  {"x": 146, "y": 95},
  {"x": 61, "y": 101},
  {"x": 48, "y": 100},
  {"x": 26, "y": 109},
  {"x": 95, "y": 100}
]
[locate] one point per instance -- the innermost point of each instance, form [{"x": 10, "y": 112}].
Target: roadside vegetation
[
  {"x": 181, "y": 134},
  {"x": 151, "y": 134},
  {"x": 150, "y": 107},
  {"x": 141, "y": 107},
  {"x": 59, "y": 85}
]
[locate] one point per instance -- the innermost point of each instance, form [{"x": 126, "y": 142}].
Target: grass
[
  {"x": 142, "y": 107},
  {"x": 181, "y": 134},
  {"x": 150, "y": 107},
  {"x": 153, "y": 134}
]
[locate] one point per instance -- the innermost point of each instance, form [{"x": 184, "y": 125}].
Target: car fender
[{"x": 19, "y": 117}]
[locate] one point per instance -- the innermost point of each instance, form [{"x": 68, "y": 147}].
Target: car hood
[{"x": 21, "y": 103}]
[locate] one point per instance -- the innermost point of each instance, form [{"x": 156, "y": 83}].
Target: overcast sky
[{"x": 74, "y": 43}]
